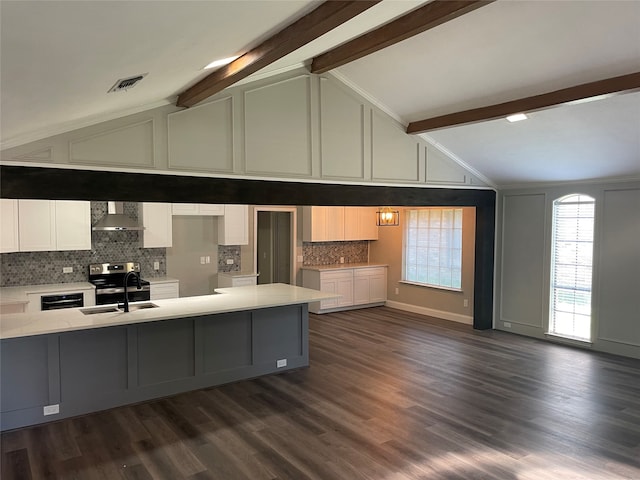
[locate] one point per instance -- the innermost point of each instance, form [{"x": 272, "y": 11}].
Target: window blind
[
  {"x": 572, "y": 265},
  {"x": 433, "y": 247}
]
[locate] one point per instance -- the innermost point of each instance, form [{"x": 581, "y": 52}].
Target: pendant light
[{"x": 387, "y": 217}]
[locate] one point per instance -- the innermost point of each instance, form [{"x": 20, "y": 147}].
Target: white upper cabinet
[
  {"x": 73, "y": 225},
  {"x": 37, "y": 225},
  {"x": 335, "y": 224},
  {"x": 360, "y": 223},
  {"x": 47, "y": 225},
  {"x": 277, "y": 128},
  {"x": 201, "y": 138},
  {"x": 343, "y": 147},
  {"x": 158, "y": 226},
  {"x": 233, "y": 227},
  {"x": 202, "y": 209},
  {"x": 8, "y": 226}
]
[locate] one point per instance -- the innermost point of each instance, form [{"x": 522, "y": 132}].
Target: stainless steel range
[{"x": 109, "y": 280}]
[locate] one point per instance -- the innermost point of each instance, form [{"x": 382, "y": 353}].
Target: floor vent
[{"x": 126, "y": 83}]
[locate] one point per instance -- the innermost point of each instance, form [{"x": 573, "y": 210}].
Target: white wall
[{"x": 524, "y": 251}]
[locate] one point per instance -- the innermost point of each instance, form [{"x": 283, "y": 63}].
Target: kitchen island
[{"x": 62, "y": 363}]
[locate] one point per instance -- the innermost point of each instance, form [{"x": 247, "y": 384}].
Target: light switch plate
[
  {"x": 229, "y": 261},
  {"x": 67, "y": 269},
  {"x": 281, "y": 363},
  {"x": 51, "y": 409}
]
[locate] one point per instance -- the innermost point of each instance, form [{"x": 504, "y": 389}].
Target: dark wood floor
[{"x": 390, "y": 395}]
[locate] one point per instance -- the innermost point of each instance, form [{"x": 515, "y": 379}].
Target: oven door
[{"x": 133, "y": 294}]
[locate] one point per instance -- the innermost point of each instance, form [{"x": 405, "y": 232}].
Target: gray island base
[{"x": 58, "y": 375}]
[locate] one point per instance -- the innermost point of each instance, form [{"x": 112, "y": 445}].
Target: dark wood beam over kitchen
[
  {"x": 326, "y": 17},
  {"x": 572, "y": 95},
  {"x": 417, "y": 21}
]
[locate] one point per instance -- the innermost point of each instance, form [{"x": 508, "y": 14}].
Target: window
[
  {"x": 571, "y": 267},
  {"x": 433, "y": 247}
]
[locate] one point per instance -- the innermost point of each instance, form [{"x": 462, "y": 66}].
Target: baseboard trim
[{"x": 431, "y": 312}]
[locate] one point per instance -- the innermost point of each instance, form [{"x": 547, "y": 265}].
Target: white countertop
[
  {"x": 19, "y": 294},
  {"x": 342, "y": 266},
  {"x": 234, "y": 299}
]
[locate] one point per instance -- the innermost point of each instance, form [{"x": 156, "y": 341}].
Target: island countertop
[{"x": 226, "y": 300}]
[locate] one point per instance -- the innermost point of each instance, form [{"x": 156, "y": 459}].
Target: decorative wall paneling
[
  {"x": 523, "y": 279},
  {"x": 292, "y": 125}
]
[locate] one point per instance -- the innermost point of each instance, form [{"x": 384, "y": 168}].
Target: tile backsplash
[
  {"x": 329, "y": 253},
  {"x": 35, "y": 268}
]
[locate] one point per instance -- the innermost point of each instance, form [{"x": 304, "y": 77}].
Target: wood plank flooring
[{"x": 390, "y": 395}]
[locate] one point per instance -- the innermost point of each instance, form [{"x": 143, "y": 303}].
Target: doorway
[{"x": 275, "y": 240}]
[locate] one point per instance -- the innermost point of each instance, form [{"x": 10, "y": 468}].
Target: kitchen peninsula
[{"x": 61, "y": 363}]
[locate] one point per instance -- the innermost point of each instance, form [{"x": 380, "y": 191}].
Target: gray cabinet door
[
  {"x": 165, "y": 351},
  {"x": 93, "y": 367},
  {"x": 24, "y": 370},
  {"x": 279, "y": 334},
  {"x": 226, "y": 341}
]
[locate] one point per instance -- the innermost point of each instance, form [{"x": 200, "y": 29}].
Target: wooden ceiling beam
[
  {"x": 571, "y": 95},
  {"x": 324, "y": 18},
  {"x": 417, "y": 21}
]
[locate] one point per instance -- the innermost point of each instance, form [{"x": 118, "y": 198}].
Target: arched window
[{"x": 571, "y": 267}]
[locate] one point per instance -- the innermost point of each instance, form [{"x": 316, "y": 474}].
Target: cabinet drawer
[
  {"x": 342, "y": 274},
  {"x": 164, "y": 290},
  {"x": 368, "y": 272}
]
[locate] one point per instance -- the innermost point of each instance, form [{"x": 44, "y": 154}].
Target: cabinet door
[
  {"x": 156, "y": 219},
  {"x": 345, "y": 288},
  {"x": 211, "y": 209},
  {"x": 72, "y": 225},
  {"x": 351, "y": 223},
  {"x": 233, "y": 228},
  {"x": 328, "y": 285},
  {"x": 8, "y": 226},
  {"x": 367, "y": 223},
  {"x": 186, "y": 209},
  {"x": 314, "y": 224},
  {"x": 378, "y": 288},
  {"x": 361, "y": 287},
  {"x": 335, "y": 224},
  {"x": 36, "y": 225}
]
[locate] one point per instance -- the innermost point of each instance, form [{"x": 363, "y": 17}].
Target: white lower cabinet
[
  {"x": 51, "y": 225},
  {"x": 236, "y": 280},
  {"x": 369, "y": 285},
  {"x": 358, "y": 287},
  {"x": 165, "y": 289}
]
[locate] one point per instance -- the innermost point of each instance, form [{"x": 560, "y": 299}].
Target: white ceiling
[{"x": 59, "y": 58}]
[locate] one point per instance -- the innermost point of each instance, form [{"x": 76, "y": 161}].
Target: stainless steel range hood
[{"x": 116, "y": 220}]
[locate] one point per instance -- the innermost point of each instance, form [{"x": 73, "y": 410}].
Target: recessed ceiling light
[
  {"x": 517, "y": 117},
  {"x": 221, "y": 62}
]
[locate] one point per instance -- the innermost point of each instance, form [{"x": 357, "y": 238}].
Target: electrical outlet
[
  {"x": 229, "y": 261},
  {"x": 507, "y": 324},
  {"x": 341, "y": 259},
  {"x": 397, "y": 291},
  {"x": 466, "y": 302},
  {"x": 202, "y": 260},
  {"x": 208, "y": 259},
  {"x": 51, "y": 409},
  {"x": 300, "y": 259},
  {"x": 281, "y": 363},
  {"x": 67, "y": 269},
  {"x": 156, "y": 265}
]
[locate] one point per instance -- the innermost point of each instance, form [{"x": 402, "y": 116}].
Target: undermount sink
[
  {"x": 141, "y": 306},
  {"x": 113, "y": 309}
]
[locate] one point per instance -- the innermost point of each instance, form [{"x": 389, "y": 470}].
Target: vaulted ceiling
[{"x": 59, "y": 58}]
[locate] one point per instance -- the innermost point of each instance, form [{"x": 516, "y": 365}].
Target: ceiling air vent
[{"x": 126, "y": 83}]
